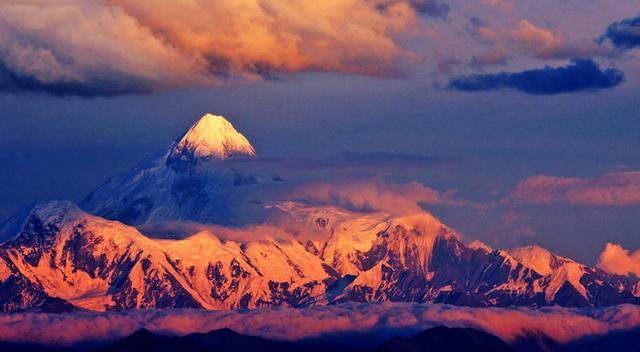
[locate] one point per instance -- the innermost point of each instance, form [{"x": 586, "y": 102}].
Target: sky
[{"x": 532, "y": 106}]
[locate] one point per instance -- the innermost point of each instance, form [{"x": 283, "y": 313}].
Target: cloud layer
[
  {"x": 618, "y": 260},
  {"x": 380, "y": 321},
  {"x": 82, "y": 48},
  {"x": 614, "y": 189},
  {"x": 124, "y": 46},
  {"x": 397, "y": 199},
  {"x": 111, "y": 47}
]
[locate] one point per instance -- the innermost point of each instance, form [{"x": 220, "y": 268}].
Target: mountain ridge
[
  {"x": 97, "y": 264},
  {"x": 439, "y": 338},
  {"x": 56, "y": 256}
]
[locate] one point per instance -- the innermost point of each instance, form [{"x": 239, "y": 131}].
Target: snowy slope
[
  {"x": 417, "y": 258},
  {"x": 58, "y": 256},
  {"x": 99, "y": 264},
  {"x": 212, "y": 137}
]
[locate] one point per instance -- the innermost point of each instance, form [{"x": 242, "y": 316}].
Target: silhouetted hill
[{"x": 442, "y": 338}]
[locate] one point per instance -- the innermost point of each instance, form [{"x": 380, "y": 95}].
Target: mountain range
[
  {"x": 439, "y": 338},
  {"x": 56, "y": 256}
]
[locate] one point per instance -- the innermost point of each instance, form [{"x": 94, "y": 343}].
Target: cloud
[
  {"x": 617, "y": 260},
  {"x": 264, "y": 213},
  {"x": 526, "y": 39},
  {"x": 489, "y": 58},
  {"x": 481, "y": 31},
  {"x": 579, "y": 75},
  {"x": 614, "y": 189},
  {"x": 83, "y": 49},
  {"x": 624, "y": 34},
  {"x": 540, "y": 42},
  {"x": 124, "y": 46},
  {"x": 283, "y": 179},
  {"x": 378, "y": 321},
  {"x": 433, "y": 8},
  {"x": 546, "y": 43},
  {"x": 367, "y": 196},
  {"x": 447, "y": 65},
  {"x": 542, "y": 189}
]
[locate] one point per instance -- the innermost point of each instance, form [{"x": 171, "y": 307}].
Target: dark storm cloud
[
  {"x": 108, "y": 85},
  {"x": 579, "y": 75},
  {"x": 624, "y": 34}
]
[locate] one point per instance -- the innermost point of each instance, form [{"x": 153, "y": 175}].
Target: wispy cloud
[
  {"x": 547, "y": 43},
  {"x": 525, "y": 39},
  {"x": 489, "y": 58},
  {"x": 614, "y": 189},
  {"x": 372, "y": 195}
]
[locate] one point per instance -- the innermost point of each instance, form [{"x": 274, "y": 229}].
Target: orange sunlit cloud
[
  {"x": 141, "y": 45},
  {"x": 618, "y": 260},
  {"x": 614, "y": 189}
]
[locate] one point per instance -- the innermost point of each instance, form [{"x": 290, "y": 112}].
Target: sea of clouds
[{"x": 376, "y": 321}]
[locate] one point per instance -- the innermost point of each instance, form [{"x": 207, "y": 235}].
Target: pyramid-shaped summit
[
  {"x": 188, "y": 180},
  {"x": 212, "y": 137}
]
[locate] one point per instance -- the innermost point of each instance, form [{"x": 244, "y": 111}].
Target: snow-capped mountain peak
[
  {"x": 212, "y": 137},
  {"x": 204, "y": 176}
]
